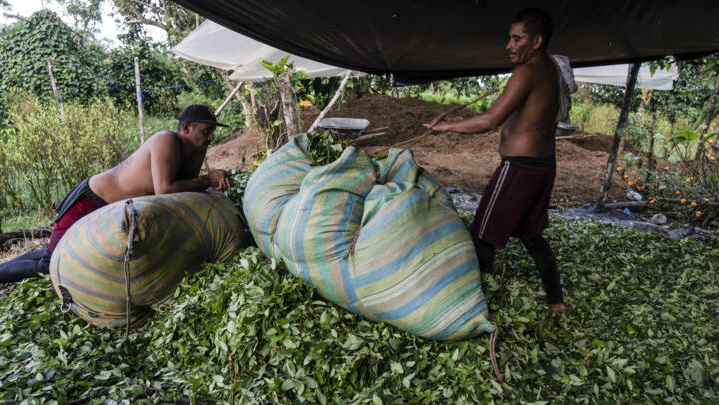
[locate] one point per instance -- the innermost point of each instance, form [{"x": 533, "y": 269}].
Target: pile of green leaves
[
  {"x": 641, "y": 327},
  {"x": 326, "y": 147}
]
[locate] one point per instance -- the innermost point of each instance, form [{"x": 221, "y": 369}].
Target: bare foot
[{"x": 558, "y": 307}]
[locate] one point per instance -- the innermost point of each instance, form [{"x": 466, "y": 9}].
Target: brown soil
[{"x": 462, "y": 161}]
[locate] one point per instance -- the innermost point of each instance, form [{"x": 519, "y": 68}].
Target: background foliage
[
  {"x": 25, "y": 48},
  {"x": 43, "y": 157}
]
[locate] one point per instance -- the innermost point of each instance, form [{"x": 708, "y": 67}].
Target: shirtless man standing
[
  {"x": 516, "y": 199},
  {"x": 169, "y": 162}
]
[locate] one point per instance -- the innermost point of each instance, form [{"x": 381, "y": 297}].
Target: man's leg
[
  {"x": 485, "y": 254},
  {"x": 28, "y": 265},
  {"x": 546, "y": 263}
]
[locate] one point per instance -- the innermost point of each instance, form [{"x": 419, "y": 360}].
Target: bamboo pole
[
  {"x": 58, "y": 97},
  {"x": 138, "y": 92},
  {"x": 332, "y": 102},
  {"x": 618, "y": 133},
  {"x": 227, "y": 100}
]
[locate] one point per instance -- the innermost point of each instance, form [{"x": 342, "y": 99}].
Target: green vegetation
[
  {"x": 43, "y": 157},
  {"x": 641, "y": 328}
]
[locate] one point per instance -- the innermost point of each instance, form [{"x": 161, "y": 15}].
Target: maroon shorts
[
  {"x": 514, "y": 203},
  {"x": 78, "y": 203}
]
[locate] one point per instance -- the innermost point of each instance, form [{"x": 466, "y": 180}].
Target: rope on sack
[
  {"x": 131, "y": 226},
  {"x": 352, "y": 245},
  {"x": 493, "y": 356}
]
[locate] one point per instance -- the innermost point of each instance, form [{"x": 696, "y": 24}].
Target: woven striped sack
[
  {"x": 174, "y": 234},
  {"x": 387, "y": 245},
  {"x": 271, "y": 186}
]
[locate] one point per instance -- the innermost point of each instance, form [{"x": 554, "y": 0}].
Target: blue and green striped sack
[
  {"x": 175, "y": 234},
  {"x": 383, "y": 240}
]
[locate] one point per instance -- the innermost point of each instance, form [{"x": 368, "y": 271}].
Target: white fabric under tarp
[
  {"x": 214, "y": 45},
  {"x": 616, "y": 75}
]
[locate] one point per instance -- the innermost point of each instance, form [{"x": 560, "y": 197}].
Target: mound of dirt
[{"x": 462, "y": 161}]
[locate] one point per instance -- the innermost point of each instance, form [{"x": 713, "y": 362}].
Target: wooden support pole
[
  {"x": 58, "y": 97},
  {"x": 227, "y": 100},
  {"x": 651, "y": 163},
  {"x": 332, "y": 102},
  {"x": 138, "y": 92},
  {"x": 619, "y": 132}
]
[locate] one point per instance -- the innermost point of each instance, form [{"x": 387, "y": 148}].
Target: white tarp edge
[
  {"x": 616, "y": 75},
  {"x": 214, "y": 45}
]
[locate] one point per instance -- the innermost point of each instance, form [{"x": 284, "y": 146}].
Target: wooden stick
[
  {"x": 412, "y": 141},
  {"x": 374, "y": 130},
  {"x": 58, "y": 97},
  {"x": 369, "y": 136},
  {"x": 138, "y": 92},
  {"x": 332, "y": 102},
  {"x": 227, "y": 100},
  {"x": 439, "y": 118}
]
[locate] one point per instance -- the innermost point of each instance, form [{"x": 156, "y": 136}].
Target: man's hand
[
  {"x": 219, "y": 179},
  {"x": 439, "y": 127}
]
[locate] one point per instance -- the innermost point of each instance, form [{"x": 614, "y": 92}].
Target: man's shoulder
[{"x": 164, "y": 138}]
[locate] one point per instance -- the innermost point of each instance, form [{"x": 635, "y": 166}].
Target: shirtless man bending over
[
  {"x": 515, "y": 200},
  {"x": 169, "y": 162}
]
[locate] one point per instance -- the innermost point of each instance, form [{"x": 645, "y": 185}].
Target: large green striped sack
[
  {"x": 174, "y": 235},
  {"x": 271, "y": 186},
  {"x": 383, "y": 240}
]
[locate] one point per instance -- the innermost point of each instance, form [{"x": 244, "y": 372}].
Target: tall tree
[
  {"x": 86, "y": 14},
  {"x": 174, "y": 19}
]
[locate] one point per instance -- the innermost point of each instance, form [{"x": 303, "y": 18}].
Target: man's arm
[
  {"x": 164, "y": 165},
  {"x": 514, "y": 94}
]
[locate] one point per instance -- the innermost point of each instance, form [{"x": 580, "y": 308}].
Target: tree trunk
[
  {"x": 241, "y": 96},
  {"x": 619, "y": 132},
  {"x": 701, "y": 151},
  {"x": 650, "y": 153},
  {"x": 646, "y": 99},
  {"x": 289, "y": 108},
  {"x": 58, "y": 97}
]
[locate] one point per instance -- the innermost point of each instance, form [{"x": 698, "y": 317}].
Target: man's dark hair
[{"x": 536, "y": 22}]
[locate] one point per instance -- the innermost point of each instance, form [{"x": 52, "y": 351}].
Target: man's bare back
[
  {"x": 529, "y": 129},
  {"x": 168, "y": 162}
]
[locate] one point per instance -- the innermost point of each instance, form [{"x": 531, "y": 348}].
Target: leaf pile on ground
[{"x": 642, "y": 326}]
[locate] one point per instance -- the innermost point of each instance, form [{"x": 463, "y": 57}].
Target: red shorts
[
  {"x": 78, "y": 203},
  {"x": 514, "y": 203}
]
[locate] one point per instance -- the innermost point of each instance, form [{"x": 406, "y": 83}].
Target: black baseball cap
[{"x": 198, "y": 113}]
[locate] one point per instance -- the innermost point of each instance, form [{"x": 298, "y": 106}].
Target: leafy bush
[
  {"x": 691, "y": 199},
  {"x": 600, "y": 119},
  {"x": 28, "y": 44},
  {"x": 48, "y": 157},
  {"x": 640, "y": 328}
]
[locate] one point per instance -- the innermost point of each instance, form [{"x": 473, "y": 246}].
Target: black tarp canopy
[{"x": 428, "y": 40}]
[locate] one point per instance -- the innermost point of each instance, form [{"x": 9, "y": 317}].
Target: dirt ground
[{"x": 462, "y": 161}]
